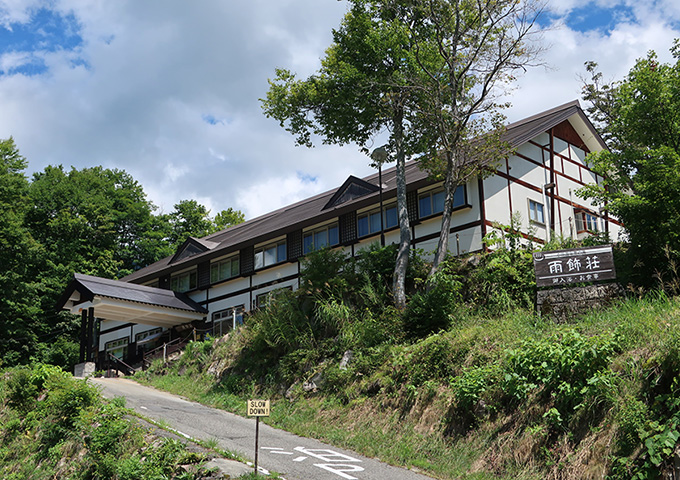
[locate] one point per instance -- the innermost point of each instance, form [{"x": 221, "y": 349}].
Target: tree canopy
[
  {"x": 19, "y": 259},
  {"x": 363, "y": 88},
  {"x": 468, "y": 52},
  {"x": 96, "y": 221},
  {"x": 640, "y": 119},
  {"x": 428, "y": 72}
]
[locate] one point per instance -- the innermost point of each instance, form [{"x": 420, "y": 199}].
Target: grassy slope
[
  {"x": 55, "y": 426},
  {"x": 505, "y": 397}
]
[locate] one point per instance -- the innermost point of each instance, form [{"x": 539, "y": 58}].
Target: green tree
[
  {"x": 96, "y": 221},
  {"x": 468, "y": 52},
  {"x": 363, "y": 88},
  {"x": 19, "y": 255},
  {"x": 428, "y": 71},
  {"x": 228, "y": 218},
  {"x": 640, "y": 119},
  {"x": 189, "y": 219},
  {"x": 90, "y": 220}
]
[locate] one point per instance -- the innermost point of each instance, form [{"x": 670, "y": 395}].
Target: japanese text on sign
[{"x": 579, "y": 265}]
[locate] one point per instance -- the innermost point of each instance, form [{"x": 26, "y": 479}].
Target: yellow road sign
[{"x": 258, "y": 408}]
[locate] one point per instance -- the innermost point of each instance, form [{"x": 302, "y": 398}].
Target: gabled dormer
[
  {"x": 192, "y": 246},
  {"x": 352, "y": 188}
]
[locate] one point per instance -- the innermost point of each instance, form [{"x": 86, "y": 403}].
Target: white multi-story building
[{"x": 211, "y": 281}]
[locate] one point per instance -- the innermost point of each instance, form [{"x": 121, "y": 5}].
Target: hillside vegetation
[
  {"x": 53, "y": 426},
  {"x": 467, "y": 382}
]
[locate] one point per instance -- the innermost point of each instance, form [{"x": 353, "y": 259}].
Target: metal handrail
[
  {"x": 158, "y": 349},
  {"x": 178, "y": 343},
  {"x": 128, "y": 369}
]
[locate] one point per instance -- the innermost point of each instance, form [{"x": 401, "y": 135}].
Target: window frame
[
  {"x": 264, "y": 299},
  {"x": 216, "y": 265},
  {"x": 147, "y": 333},
  {"x": 373, "y": 215},
  {"x": 584, "y": 220},
  {"x": 193, "y": 281},
  {"x": 279, "y": 248},
  {"x": 122, "y": 344},
  {"x": 330, "y": 242},
  {"x": 533, "y": 212},
  {"x": 226, "y": 315},
  {"x": 433, "y": 209}
]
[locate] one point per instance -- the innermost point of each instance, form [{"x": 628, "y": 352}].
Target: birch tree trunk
[
  {"x": 450, "y": 189},
  {"x": 401, "y": 265}
]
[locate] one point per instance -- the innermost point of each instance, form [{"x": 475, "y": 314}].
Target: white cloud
[
  {"x": 12, "y": 60},
  {"x": 13, "y": 11},
  {"x": 168, "y": 90},
  {"x": 615, "y": 52}
]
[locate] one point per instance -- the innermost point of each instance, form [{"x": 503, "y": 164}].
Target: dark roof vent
[
  {"x": 352, "y": 188},
  {"x": 192, "y": 246}
]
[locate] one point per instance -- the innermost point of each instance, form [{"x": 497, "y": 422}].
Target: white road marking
[
  {"x": 259, "y": 468},
  {"x": 326, "y": 455},
  {"x": 340, "y": 469},
  {"x": 336, "y": 462}
]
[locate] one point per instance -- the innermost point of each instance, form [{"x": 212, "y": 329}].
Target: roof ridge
[{"x": 545, "y": 113}]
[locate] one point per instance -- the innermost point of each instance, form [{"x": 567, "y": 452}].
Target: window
[
  {"x": 184, "y": 282},
  {"x": 261, "y": 300},
  {"x": 586, "y": 222},
  {"x": 536, "y": 212},
  {"x": 149, "y": 333},
  {"x": 223, "y": 321},
  {"x": 320, "y": 238},
  {"x": 431, "y": 203},
  {"x": 224, "y": 269},
  {"x": 270, "y": 254},
  {"x": 369, "y": 223},
  {"x": 264, "y": 299},
  {"x": 118, "y": 348}
]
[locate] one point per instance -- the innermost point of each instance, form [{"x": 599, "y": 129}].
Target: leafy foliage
[
  {"x": 95, "y": 221},
  {"x": 20, "y": 259},
  {"x": 54, "y": 426},
  {"x": 639, "y": 117},
  {"x": 429, "y": 310}
]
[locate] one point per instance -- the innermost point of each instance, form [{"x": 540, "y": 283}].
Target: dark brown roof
[
  {"x": 282, "y": 221},
  {"x": 524, "y": 130},
  {"x": 90, "y": 287},
  {"x": 319, "y": 208}
]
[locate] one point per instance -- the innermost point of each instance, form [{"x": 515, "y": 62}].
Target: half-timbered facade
[{"x": 225, "y": 274}]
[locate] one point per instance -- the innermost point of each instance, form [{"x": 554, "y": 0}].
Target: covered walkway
[{"x": 121, "y": 304}]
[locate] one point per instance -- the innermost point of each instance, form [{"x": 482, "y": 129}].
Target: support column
[
  {"x": 552, "y": 182},
  {"x": 91, "y": 352},
  {"x": 482, "y": 209},
  {"x": 83, "y": 336}
]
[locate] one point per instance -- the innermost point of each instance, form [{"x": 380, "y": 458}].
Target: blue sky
[{"x": 168, "y": 90}]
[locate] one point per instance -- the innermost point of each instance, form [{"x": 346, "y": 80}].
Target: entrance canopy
[{"x": 128, "y": 302}]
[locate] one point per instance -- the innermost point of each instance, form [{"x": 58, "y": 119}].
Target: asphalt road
[{"x": 293, "y": 457}]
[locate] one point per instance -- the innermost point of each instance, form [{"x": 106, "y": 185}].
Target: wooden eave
[{"x": 127, "y": 302}]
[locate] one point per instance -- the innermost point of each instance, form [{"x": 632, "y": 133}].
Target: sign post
[{"x": 257, "y": 409}]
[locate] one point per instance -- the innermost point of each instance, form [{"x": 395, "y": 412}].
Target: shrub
[
  {"x": 21, "y": 390},
  {"x": 326, "y": 272},
  {"x": 429, "y": 311},
  {"x": 63, "y": 353},
  {"x": 566, "y": 368},
  {"x": 472, "y": 384}
]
